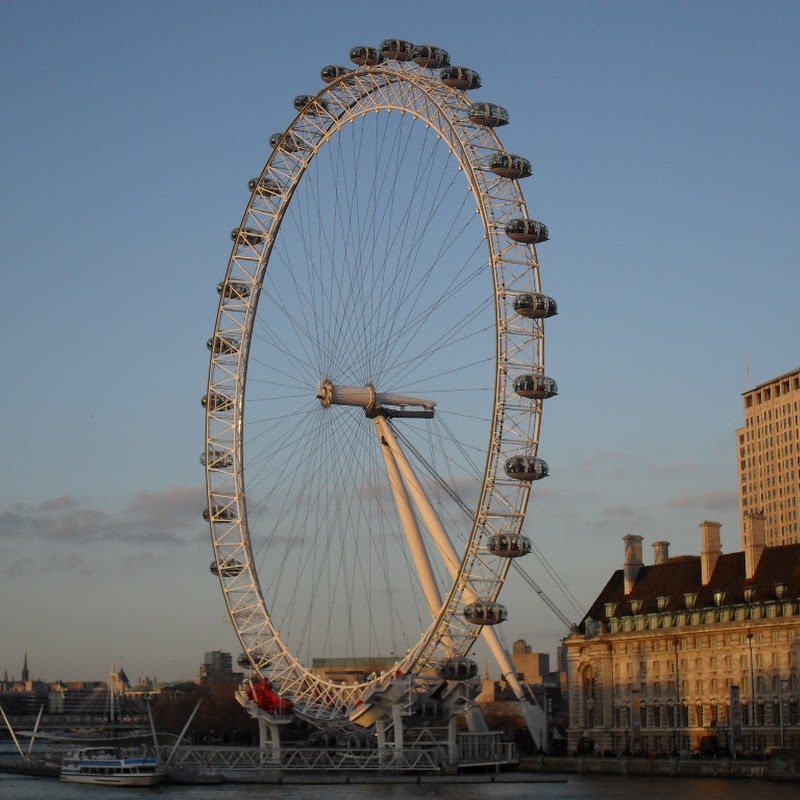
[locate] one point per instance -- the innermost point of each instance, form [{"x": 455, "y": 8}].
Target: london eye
[{"x": 376, "y": 383}]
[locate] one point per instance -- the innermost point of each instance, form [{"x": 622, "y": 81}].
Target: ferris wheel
[{"x": 376, "y": 384}]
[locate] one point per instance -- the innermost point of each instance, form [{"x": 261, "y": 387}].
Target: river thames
[{"x": 573, "y": 787}]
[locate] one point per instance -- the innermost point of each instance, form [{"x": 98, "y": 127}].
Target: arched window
[
  {"x": 656, "y": 715},
  {"x": 794, "y": 712},
  {"x": 587, "y": 694},
  {"x": 714, "y": 713},
  {"x": 777, "y": 713},
  {"x": 760, "y": 712},
  {"x": 698, "y": 713}
]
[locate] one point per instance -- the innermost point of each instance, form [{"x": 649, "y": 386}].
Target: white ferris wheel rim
[{"x": 388, "y": 87}]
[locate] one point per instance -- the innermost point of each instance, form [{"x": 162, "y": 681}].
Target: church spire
[{"x": 25, "y": 668}]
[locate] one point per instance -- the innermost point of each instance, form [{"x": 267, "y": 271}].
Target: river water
[{"x": 573, "y": 787}]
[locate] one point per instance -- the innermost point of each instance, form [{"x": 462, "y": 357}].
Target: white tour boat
[{"x": 110, "y": 767}]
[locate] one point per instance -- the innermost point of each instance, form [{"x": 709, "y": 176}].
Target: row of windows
[
  {"x": 706, "y": 641},
  {"x": 764, "y": 684},
  {"x": 700, "y": 714},
  {"x": 778, "y": 389}
]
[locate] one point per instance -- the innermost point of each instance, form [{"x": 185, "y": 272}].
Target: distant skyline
[{"x": 664, "y": 144}]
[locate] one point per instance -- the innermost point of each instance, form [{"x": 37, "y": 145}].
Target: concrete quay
[{"x": 781, "y": 766}]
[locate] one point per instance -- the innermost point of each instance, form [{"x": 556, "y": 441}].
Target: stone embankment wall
[{"x": 781, "y": 766}]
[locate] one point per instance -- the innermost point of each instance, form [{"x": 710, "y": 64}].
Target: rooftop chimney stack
[
  {"x": 633, "y": 560},
  {"x": 754, "y": 535},
  {"x": 660, "y": 552},
  {"x": 712, "y": 549}
]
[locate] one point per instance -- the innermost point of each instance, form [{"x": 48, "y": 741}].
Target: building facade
[
  {"x": 768, "y": 447},
  {"x": 218, "y": 666},
  {"x": 690, "y": 651}
]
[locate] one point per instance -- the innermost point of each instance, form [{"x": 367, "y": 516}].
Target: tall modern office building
[{"x": 769, "y": 458}]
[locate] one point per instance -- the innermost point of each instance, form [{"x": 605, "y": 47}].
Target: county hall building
[{"x": 692, "y": 653}]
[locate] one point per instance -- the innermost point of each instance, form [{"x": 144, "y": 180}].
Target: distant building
[
  {"x": 690, "y": 651},
  {"x": 218, "y": 666},
  {"x": 501, "y": 708},
  {"x": 769, "y": 457},
  {"x": 351, "y": 670}
]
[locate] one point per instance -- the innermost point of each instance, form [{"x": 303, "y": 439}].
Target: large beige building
[
  {"x": 690, "y": 650},
  {"x": 769, "y": 456}
]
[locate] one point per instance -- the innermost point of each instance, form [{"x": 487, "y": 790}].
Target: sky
[{"x": 664, "y": 143}]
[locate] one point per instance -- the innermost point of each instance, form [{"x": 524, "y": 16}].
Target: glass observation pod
[
  {"x": 243, "y": 661},
  {"x": 269, "y": 187},
  {"x": 526, "y": 468},
  {"x": 223, "y": 345},
  {"x": 366, "y": 56},
  {"x": 460, "y": 78},
  {"x": 221, "y": 513},
  {"x": 485, "y": 612},
  {"x": 288, "y": 141},
  {"x": 398, "y": 49},
  {"x": 233, "y": 290},
  {"x": 216, "y": 459},
  {"x": 489, "y": 115},
  {"x": 227, "y": 569},
  {"x": 535, "y": 306},
  {"x": 217, "y": 401},
  {"x": 507, "y": 165},
  {"x": 509, "y": 545},
  {"x": 535, "y": 387},
  {"x": 333, "y": 72},
  {"x": 527, "y": 231},
  {"x": 307, "y": 103},
  {"x": 430, "y": 57},
  {"x": 457, "y": 669},
  {"x": 248, "y": 236}
]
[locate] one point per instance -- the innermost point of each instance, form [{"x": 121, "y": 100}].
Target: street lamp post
[
  {"x": 784, "y": 685},
  {"x": 677, "y": 707},
  {"x": 752, "y": 694}
]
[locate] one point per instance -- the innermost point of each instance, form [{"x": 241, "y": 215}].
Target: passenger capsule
[
  {"x": 366, "y": 56},
  {"x": 243, "y": 661},
  {"x": 312, "y": 106},
  {"x": 535, "y": 306},
  {"x": 526, "y": 468},
  {"x": 398, "y": 49},
  {"x": 535, "y": 387},
  {"x": 527, "y": 231},
  {"x": 268, "y": 187},
  {"x": 223, "y": 345},
  {"x": 460, "y": 78},
  {"x": 247, "y": 236},
  {"x": 430, "y": 57},
  {"x": 509, "y": 545},
  {"x": 219, "y": 513},
  {"x": 509, "y": 166},
  {"x": 457, "y": 669},
  {"x": 288, "y": 141},
  {"x": 216, "y": 459},
  {"x": 331, "y": 73},
  {"x": 489, "y": 115},
  {"x": 217, "y": 402},
  {"x": 233, "y": 290},
  {"x": 228, "y": 569},
  {"x": 485, "y": 612}
]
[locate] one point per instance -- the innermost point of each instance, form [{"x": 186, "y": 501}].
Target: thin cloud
[
  {"x": 713, "y": 499},
  {"x": 607, "y": 460},
  {"x": 619, "y": 511},
  {"x": 150, "y": 518}
]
